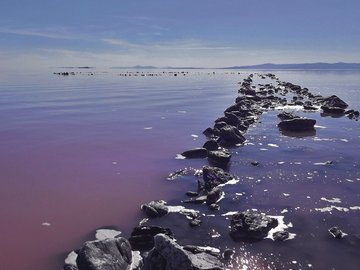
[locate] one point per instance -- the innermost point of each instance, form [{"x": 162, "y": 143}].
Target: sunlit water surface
[{"x": 82, "y": 152}]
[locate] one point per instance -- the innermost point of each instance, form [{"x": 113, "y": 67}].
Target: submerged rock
[
  {"x": 168, "y": 255},
  {"x": 297, "y": 124},
  {"x": 281, "y": 235},
  {"x": 214, "y": 176},
  {"x": 109, "y": 254},
  {"x": 251, "y": 225},
  {"x": 336, "y": 232}
]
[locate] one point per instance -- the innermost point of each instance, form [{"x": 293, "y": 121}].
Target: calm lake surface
[{"x": 82, "y": 152}]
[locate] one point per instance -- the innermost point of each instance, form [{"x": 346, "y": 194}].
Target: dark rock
[
  {"x": 309, "y": 108},
  {"x": 230, "y": 136},
  {"x": 281, "y": 235},
  {"x": 214, "y": 176},
  {"x": 142, "y": 237},
  {"x": 297, "y": 124},
  {"x": 109, "y": 254},
  {"x": 219, "y": 125},
  {"x": 336, "y": 232},
  {"x": 333, "y": 110},
  {"x": 214, "y": 206},
  {"x": 197, "y": 200},
  {"x": 195, "y": 223},
  {"x": 213, "y": 196},
  {"x": 219, "y": 158},
  {"x": 211, "y": 145},
  {"x": 175, "y": 257},
  {"x": 155, "y": 209},
  {"x": 255, "y": 163},
  {"x": 251, "y": 225},
  {"x": 228, "y": 254},
  {"x": 195, "y": 153},
  {"x": 287, "y": 115},
  {"x": 333, "y": 101},
  {"x": 192, "y": 193},
  {"x": 70, "y": 267},
  {"x": 209, "y": 132}
]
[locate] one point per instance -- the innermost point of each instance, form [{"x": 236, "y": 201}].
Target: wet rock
[
  {"x": 251, "y": 225},
  {"x": 168, "y": 255},
  {"x": 336, "y": 232},
  {"x": 333, "y": 110},
  {"x": 333, "y": 101},
  {"x": 213, "y": 196},
  {"x": 197, "y": 200},
  {"x": 218, "y": 125},
  {"x": 214, "y": 206},
  {"x": 214, "y": 176},
  {"x": 228, "y": 255},
  {"x": 309, "y": 108},
  {"x": 211, "y": 145},
  {"x": 297, "y": 124},
  {"x": 142, "y": 237},
  {"x": 192, "y": 193},
  {"x": 209, "y": 132},
  {"x": 230, "y": 136},
  {"x": 155, "y": 209},
  {"x": 195, "y": 223},
  {"x": 255, "y": 163},
  {"x": 111, "y": 254},
  {"x": 281, "y": 235},
  {"x": 219, "y": 158},
  {"x": 195, "y": 153},
  {"x": 287, "y": 115}
]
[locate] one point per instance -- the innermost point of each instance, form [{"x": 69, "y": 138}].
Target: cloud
[{"x": 54, "y": 34}]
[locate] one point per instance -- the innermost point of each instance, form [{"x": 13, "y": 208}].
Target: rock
[
  {"x": 213, "y": 196},
  {"x": 333, "y": 101},
  {"x": 209, "y": 132},
  {"x": 228, "y": 254},
  {"x": 192, "y": 193},
  {"x": 219, "y": 158},
  {"x": 197, "y": 200},
  {"x": 168, "y": 255},
  {"x": 287, "y": 115},
  {"x": 211, "y": 145},
  {"x": 102, "y": 234},
  {"x": 214, "y": 206},
  {"x": 309, "y": 108},
  {"x": 108, "y": 254},
  {"x": 336, "y": 232},
  {"x": 281, "y": 235},
  {"x": 214, "y": 176},
  {"x": 230, "y": 136},
  {"x": 255, "y": 163},
  {"x": 333, "y": 110},
  {"x": 70, "y": 267},
  {"x": 142, "y": 237},
  {"x": 195, "y": 223},
  {"x": 297, "y": 124},
  {"x": 155, "y": 209},
  {"x": 195, "y": 153},
  {"x": 218, "y": 125},
  {"x": 251, "y": 225}
]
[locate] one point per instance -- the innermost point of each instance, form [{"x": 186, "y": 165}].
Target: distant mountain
[
  {"x": 153, "y": 67},
  {"x": 310, "y": 66}
]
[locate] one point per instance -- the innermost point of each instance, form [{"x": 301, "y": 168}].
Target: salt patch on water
[
  {"x": 263, "y": 149},
  {"x": 290, "y": 107},
  {"x": 231, "y": 213},
  {"x": 194, "y": 136},
  {"x": 71, "y": 258},
  {"x": 230, "y": 182},
  {"x": 331, "y": 208},
  {"x": 280, "y": 227},
  {"x": 317, "y": 126},
  {"x": 148, "y": 128},
  {"x": 273, "y": 145},
  {"x": 281, "y": 162},
  {"x": 284, "y": 211},
  {"x": 182, "y": 111},
  {"x": 333, "y": 200},
  {"x": 103, "y": 234},
  {"x": 46, "y": 224},
  {"x": 286, "y": 194},
  {"x": 178, "y": 156},
  {"x": 355, "y": 208},
  {"x": 344, "y": 140},
  {"x": 182, "y": 210}
]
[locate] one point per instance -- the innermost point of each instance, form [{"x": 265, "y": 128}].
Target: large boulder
[
  {"x": 155, "y": 209},
  {"x": 287, "y": 115},
  {"x": 251, "y": 225},
  {"x": 168, "y": 255},
  {"x": 195, "y": 153},
  {"x": 334, "y": 101},
  {"x": 214, "y": 176},
  {"x": 297, "y": 124},
  {"x": 219, "y": 158},
  {"x": 230, "y": 136},
  {"x": 108, "y": 254},
  {"x": 214, "y": 195},
  {"x": 333, "y": 110},
  {"x": 142, "y": 237}
]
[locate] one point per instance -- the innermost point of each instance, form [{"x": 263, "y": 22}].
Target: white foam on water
[
  {"x": 148, "y": 128},
  {"x": 280, "y": 227},
  {"x": 229, "y": 213},
  {"x": 179, "y": 156},
  {"x": 230, "y": 182},
  {"x": 333, "y": 200},
  {"x": 273, "y": 145},
  {"x": 331, "y": 208},
  {"x": 46, "y": 224}
]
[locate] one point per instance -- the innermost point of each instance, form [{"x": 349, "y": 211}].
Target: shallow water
[{"x": 82, "y": 152}]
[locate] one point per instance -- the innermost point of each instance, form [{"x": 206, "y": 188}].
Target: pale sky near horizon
[{"x": 202, "y": 33}]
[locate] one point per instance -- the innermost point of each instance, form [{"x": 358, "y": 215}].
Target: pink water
[{"x": 81, "y": 152}]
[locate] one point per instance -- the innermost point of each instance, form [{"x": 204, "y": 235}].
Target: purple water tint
[{"x": 78, "y": 153}]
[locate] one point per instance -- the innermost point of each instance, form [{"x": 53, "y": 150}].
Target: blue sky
[{"x": 204, "y": 33}]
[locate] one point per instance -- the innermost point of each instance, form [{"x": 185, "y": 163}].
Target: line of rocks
[{"x": 151, "y": 247}]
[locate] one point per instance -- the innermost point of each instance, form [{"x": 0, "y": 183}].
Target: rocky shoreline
[{"x": 152, "y": 245}]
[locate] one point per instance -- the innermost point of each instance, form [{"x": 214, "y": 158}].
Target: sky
[{"x": 200, "y": 33}]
